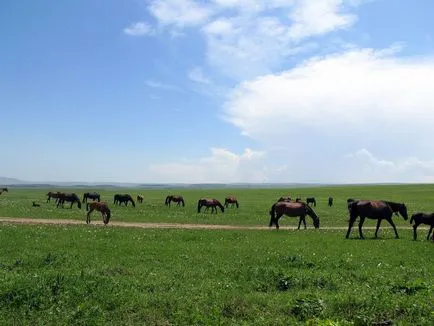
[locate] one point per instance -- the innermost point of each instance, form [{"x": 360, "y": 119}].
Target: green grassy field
[
  {"x": 254, "y": 204},
  {"x": 95, "y": 275}
]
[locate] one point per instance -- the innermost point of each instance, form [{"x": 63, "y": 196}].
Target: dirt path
[{"x": 15, "y": 220}]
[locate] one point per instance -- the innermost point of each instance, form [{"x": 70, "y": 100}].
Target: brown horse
[
  {"x": 91, "y": 195},
  {"x": 179, "y": 200},
  {"x": 292, "y": 209},
  {"x": 54, "y": 195},
  {"x": 209, "y": 202},
  {"x": 100, "y": 207},
  {"x": 422, "y": 218},
  {"x": 374, "y": 209},
  {"x": 2, "y": 190},
  {"x": 70, "y": 198},
  {"x": 140, "y": 198},
  {"x": 231, "y": 200}
]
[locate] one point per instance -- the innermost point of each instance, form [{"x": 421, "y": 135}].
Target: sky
[{"x": 217, "y": 91}]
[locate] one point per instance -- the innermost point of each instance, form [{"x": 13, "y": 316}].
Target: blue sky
[{"x": 217, "y": 91}]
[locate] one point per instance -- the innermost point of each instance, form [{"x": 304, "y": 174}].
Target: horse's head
[
  {"x": 403, "y": 211},
  {"x": 313, "y": 215},
  {"x": 106, "y": 216}
]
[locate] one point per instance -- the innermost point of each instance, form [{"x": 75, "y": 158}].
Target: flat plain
[{"x": 95, "y": 275}]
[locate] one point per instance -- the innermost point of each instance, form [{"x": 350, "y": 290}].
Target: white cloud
[
  {"x": 180, "y": 13},
  {"x": 196, "y": 75},
  {"x": 160, "y": 85},
  {"x": 139, "y": 29},
  {"x": 222, "y": 166}
]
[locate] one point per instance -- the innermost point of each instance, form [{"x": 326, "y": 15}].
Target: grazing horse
[
  {"x": 71, "y": 198},
  {"x": 34, "y": 204},
  {"x": 231, "y": 200},
  {"x": 175, "y": 198},
  {"x": 311, "y": 200},
  {"x": 330, "y": 201},
  {"x": 100, "y": 207},
  {"x": 208, "y": 202},
  {"x": 125, "y": 198},
  {"x": 2, "y": 190},
  {"x": 292, "y": 209},
  {"x": 140, "y": 198},
  {"x": 422, "y": 218},
  {"x": 54, "y": 195},
  {"x": 91, "y": 195},
  {"x": 374, "y": 209}
]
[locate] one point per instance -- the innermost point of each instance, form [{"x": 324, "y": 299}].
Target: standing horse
[
  {"x": 125, "y": 198},
  {"x": 140, "y": 198},
  {"x": 54, "y": 195},
  {"x": 374, "y": 209},
  {"x": 91, "y": 195},
  {"x": 330, "y": 201},
  {"x": 2, "y": 190},
  {"x": 311, "y": 200},
  {"x": 71, "y": 198},
  {"x": 231, "y": 200},
  {"x": 175, "y": 198},
  {"x": 101, "y": 207},
  {"x": 292, "y": 209},
  {"x": 422, "y": 218},
  {"x": 208, "y": 202}
]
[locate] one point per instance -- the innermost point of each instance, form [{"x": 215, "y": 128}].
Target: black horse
[
  {"x": 209, "y": 202},
  {"x": 91, "y": 195},
  {"x": 374, "y": 209},
  {"x": 70, "y": 198},
  {"x": 311, "y": 200},
  {"x": 125, "y": 198},
  {"x": 422, "y": 218},
  {"x": 292, "y": 209},
  {"x": 330, "y": 201}
]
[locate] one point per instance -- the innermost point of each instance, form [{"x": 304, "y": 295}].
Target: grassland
[{"x": 124, "y": 276}]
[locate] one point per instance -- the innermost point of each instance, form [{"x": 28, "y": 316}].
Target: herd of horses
[{"x": 358, "y": 209}]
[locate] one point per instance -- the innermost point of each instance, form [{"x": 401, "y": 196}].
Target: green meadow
[{"x": 96, "y": 275}]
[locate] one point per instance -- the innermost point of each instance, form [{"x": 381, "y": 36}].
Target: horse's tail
[
  {"x": 272, "y": 215},
  {"x": 199, "y": 205},
  {"x": 312, "y": 214}
]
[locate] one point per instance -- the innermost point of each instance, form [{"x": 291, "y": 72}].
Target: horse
[
  {"x": 100, "y": 207},
  {"x": 91, "y": 195},
  {"x": 231, "y": 200},
  {"x": 175, "y": 198},
  {"x": 209, "y": 202},
  {"x": 34, "y": 204},
  {"x": 125, "y": 198},
  {"x": 292, "y": 209},
  {"x": 311, "y": 200},
  {"x": 140, "y": 198},
  {"x": 2, "y": 190},
  {"x": 330, "y": 201},
  {"x": 374, "y": 209},
  {"x": 422, "y": 218},
  {"x": 71, "y": 198},
  {"x": 54, "y": 195}
]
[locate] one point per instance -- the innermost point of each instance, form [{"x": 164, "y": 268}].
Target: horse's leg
[
  {"x": 416, "y": 224},
  {"x": 393, "y": 225},
  {"x": 378, "y": 226},
  {"x": 350, "y": 225},
  {"x": 362, "y": 220},
  {"x": 72, "y": 203},
  {"x": 88, "y": 216},
  {"x": 276, "y": 220},
  {"x": 429, "y": 231}
]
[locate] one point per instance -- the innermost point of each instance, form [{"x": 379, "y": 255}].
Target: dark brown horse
[
  {"x": 330, "y": 201},
  {"x": 292, "y": 209},
  {"x": 91, "y": 195},
  {"x": 422, "y": 218},
  {"x": 209, "y": 202},
  {"x": 140, "y": 198},
  {"x": 374, "y": 209},
  {"x": 125, "y": 198},
  {"x": 54, "y": 195},
  {"x": 70, "y": 198},
  {"x": 311, "y": 200},
  {"x": 2, "y": 190},
  {"x": 231, "y": 200},
  {"x": 100, "y": 207},
  {"x": 179, "y": 200}
]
